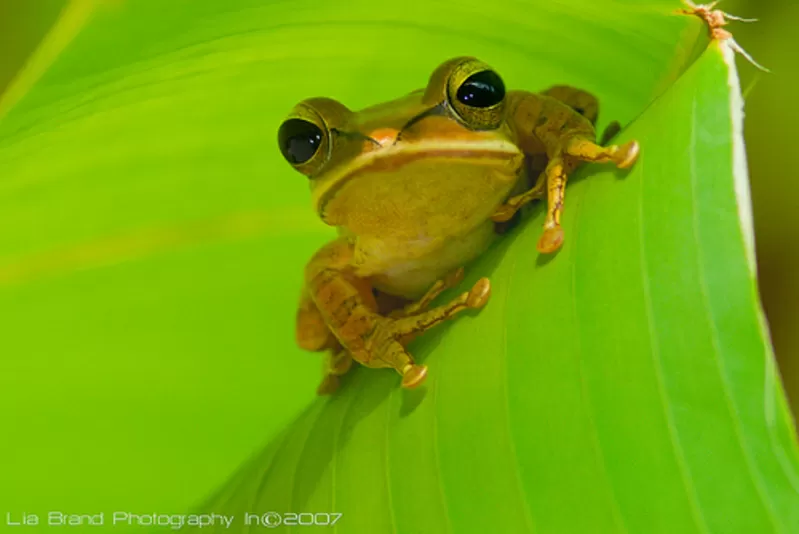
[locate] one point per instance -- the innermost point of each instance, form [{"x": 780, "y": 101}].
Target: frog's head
[{"x": 457, "y": 121}]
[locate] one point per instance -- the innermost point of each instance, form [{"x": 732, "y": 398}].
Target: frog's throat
[{"x": 493, "y": 153}]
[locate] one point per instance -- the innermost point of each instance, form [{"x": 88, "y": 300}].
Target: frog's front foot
[
  {"x": 386, "y": 343},
  {"x": 576, "y": 150}
]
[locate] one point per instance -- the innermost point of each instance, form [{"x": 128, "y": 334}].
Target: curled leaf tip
[{"x": 716, "y": 20}]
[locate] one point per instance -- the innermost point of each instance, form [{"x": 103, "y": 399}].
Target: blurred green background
[
  {"x": 771, "y": 118},
  {"x": 771, "y": 115}
]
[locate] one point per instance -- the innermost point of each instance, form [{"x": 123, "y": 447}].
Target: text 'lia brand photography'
[{"x": 57, "y": 518}]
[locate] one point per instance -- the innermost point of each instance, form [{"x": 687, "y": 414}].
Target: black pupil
[
  {"x": 481, "y": 90},
  {"x": 299, "y": 140}
]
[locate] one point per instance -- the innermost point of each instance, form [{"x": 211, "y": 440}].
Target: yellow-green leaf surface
[{"x": 152, "y": 242}]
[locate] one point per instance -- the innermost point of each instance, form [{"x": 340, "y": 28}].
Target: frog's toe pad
[
  {"x": 414, "y": 376},
  {"x": 551, "y": 240},
  {"x": 627, "y": 154},
  {"x": 478, "y": 296}
]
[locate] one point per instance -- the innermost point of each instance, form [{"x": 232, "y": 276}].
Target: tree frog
[{"x": 414, "y": 187}]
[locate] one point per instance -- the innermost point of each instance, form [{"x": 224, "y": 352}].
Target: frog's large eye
[
  {"x": 481, "y": 90},
  {"x": 305, "y": 137},
  {"x": 299, "y": 140},
  {"x": 477, "y": 94}
]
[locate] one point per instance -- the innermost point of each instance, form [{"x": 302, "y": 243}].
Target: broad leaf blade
[{"x": 629, "y": 378}]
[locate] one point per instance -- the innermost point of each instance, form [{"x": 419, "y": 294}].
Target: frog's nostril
[{"x": 384, "y": 136}]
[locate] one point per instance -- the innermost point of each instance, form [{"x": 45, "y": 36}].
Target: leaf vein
[
  {"x": 657, "y": 365},
  {"x": 437, "y": 455},
  {"x": 528, "y": 518},
  {"x": 758, "y": 483},
  {"x": 593, "y": 432}
]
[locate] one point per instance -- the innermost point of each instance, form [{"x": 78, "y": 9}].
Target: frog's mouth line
[
  {"x": 439, "y": 110},
  {"x": 397, "y": 155}
]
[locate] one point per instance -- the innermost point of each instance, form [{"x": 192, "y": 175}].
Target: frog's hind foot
[
  {"x": 392, "y": 334},
  {"x": 348, "y": 306}
]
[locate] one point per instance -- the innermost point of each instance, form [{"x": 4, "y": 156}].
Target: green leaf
[{"x": 151, "y": 258}]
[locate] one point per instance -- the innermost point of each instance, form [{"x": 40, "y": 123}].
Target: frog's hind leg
[
  {"x": 348, "y": 307},
  {"x": 338, "y": 361},
  {"x": 312, "y": 333},
  {"x": 398, "y": 332}
]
